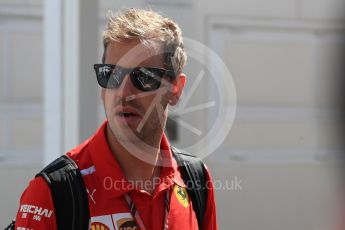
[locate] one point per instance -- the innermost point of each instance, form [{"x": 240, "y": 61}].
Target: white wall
[{"x": 21, "y": 96}]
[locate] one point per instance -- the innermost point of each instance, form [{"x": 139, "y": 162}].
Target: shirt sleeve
[
  {"x": 36, "y": 210},
  {"x": 210, "y": 218}
]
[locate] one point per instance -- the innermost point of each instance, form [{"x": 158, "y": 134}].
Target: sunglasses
[{"x": 143, "y": 78}]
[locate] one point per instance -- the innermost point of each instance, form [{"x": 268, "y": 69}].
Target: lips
[
  {"x": 127, "y": 115},
  {"x": 127, "y": 111}
]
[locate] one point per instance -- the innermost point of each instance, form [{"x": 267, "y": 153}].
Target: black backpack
[{"x": 70, "y": 197}]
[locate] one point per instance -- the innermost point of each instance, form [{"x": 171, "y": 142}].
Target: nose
[{"x": 127, "y": 89}]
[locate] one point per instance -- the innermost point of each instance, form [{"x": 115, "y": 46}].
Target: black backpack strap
[
  {"x": 11, "y": 226},
  {"x": 68, "y": 193},
  {"x": 193, "y": 174}
]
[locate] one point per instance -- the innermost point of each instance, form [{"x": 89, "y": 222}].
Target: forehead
[{"x": 134, "y": 53}]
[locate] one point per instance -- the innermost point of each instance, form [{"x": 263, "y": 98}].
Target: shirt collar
[{"x": 110, "y": 175}]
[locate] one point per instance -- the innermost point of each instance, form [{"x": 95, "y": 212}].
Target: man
[{"x": 128, "y": 164}]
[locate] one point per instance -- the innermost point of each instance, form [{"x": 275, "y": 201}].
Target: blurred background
[{"x": 277, "y": 162}]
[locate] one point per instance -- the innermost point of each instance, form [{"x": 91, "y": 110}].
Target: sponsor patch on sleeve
[{"x": 34, "y": 212}]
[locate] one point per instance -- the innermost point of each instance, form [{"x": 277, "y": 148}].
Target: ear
[{"x": 177, "y": 88}]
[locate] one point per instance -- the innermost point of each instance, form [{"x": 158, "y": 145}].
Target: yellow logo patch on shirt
[
  {"x": 98, "y": 226},
  {"x": 181, "y": 195},
  {"x": 117, "y": 221}
]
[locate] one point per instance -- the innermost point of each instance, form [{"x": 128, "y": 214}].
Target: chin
[{"x": 126, "y": 133}]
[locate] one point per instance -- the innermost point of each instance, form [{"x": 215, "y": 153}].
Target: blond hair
[{"x": 145, "y": 25}]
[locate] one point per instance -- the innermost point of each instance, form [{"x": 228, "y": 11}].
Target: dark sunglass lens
[
  {"x": 117, "y": 77},
  {"x": 110, "y": 76},
  {"x": 146, "y": 79},
  {"x": 103, "y": 73}
]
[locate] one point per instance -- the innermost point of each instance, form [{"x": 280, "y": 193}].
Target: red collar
[{"x": 110, "y": 175}]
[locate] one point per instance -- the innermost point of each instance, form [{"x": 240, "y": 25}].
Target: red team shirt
[{"x": 106, "y": 186}]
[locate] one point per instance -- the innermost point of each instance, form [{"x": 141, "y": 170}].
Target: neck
[{"x": 136, "y": 170}]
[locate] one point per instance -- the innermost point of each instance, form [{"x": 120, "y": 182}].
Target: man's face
[{"x": 134, "y": 115}]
